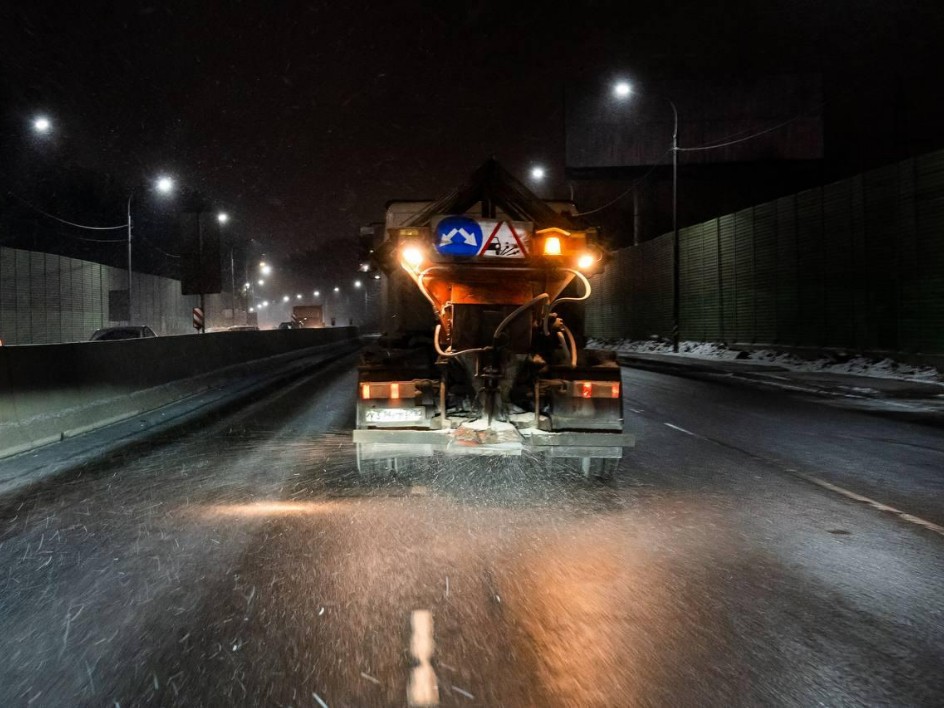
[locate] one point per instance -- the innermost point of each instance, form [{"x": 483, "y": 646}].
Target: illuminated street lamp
[
  {"x": 285, "y": 298},
  {"x": 538, "y": 173},
  {"x": 360, "y": 286},
  {"x": 222, "y": 217},
  {"x": 265, "y": 268},
  {"x": 317, "y": 293},
  {"x": 622, "y": 90},
  {"x": 298, "y": 296},
  {"x": 163, "y": 185},
  {"x": 42, "y": 125},
  {"x": 260, "y": 282}
]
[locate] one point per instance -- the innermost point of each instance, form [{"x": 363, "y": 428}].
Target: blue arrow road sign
[{"x": 459, "y": 236}]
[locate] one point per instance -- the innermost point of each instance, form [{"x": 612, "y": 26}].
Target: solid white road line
[
  {"x": 905, "y": 516},
  {"x": 422, "y": 689},
  {"x": 681, "y": 430}
]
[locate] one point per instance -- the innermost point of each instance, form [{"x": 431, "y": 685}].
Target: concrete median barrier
[{"x": 51, "y": 392}]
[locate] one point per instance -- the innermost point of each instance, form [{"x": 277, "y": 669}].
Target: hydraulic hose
[
  {"x": 563, "y": 343},
  {"x": 527, "y": 306},
  {"x": 441, "y": 352},
  {"x": 587, "y": 291},
  {"x": 418, "y": 279},
  {"x": 573, "y": 346}
]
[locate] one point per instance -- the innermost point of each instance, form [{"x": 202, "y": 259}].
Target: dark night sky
[{"x": 305, "y": 118}]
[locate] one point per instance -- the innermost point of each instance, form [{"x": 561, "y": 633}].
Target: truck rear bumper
[{"x": 422, "y": 443}]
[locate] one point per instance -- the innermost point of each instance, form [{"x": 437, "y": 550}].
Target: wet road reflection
[{"x": 252, "y": 565}]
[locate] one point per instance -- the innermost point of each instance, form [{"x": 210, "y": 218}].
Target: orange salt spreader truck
[{"x": 489, "y": 359}]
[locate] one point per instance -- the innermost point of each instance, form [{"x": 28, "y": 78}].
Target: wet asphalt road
[{"x": 249, "y": 564}]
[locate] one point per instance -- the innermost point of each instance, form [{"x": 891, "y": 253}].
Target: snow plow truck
[{"x": 483, "y": 349}]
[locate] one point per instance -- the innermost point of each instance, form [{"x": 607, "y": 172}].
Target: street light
[
  {"x": 222, "y": 218},
  {"x": 285, "y": 298},
  {"x": 538, "y": 173},
  {"x": 164, "y": 185},
  {"x": 360, "y": 286},
  {"x": 265, "y": 268},
  {"x": 260, "y": 282},
  {"x": 621, "y": 90},
  {"x": 317, "y": 293},
  {"x": 42, "y": 125}
]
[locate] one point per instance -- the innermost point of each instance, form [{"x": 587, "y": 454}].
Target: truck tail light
[
  {"x": 389, "y": 390},
  {"x": 552, "y": 246},
  {"x": 595, "y": 389}
]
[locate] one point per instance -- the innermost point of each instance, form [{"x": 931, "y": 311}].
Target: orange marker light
[
  {"x": 615, "y": 392},
  {"x": 552, "y": 246},
  {"x": 586, "y": 261},
  {"x": 394, "y": 391},
  {"x": 365, "y": 391},
  {"x": 413, "y": 256},
  {"x": 586, "y": 389}
]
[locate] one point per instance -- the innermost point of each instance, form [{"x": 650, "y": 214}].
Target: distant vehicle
[
  {"x": 289, "y": 325},
  {"x": 308, "y": 316},
  {"x": 107, "y": 334}
]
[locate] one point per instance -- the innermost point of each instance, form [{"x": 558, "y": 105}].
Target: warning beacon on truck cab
[{"x": 483, "y": 351}]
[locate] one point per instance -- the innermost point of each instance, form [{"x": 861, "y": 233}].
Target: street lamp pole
[
  {"x": 130, "y": 296},
  {"x": 164, "y": 185},
  {"x": 623, "y": 89},
  {"x": 676, "y": 280}
]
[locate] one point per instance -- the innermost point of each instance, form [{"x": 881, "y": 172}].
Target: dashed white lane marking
[
  {"x": 422, "y": 689},
  {"x": 637, "y": 410},
  {"x": 905, "y": 516},
  {"x": 681, "y": 430}
]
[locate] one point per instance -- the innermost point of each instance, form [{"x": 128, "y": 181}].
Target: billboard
[{"x": 731, "y": 120}]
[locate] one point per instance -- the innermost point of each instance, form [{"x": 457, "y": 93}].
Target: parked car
[
  {"x": 288, "y": 325},
  {"x": 107, "y": 334}
]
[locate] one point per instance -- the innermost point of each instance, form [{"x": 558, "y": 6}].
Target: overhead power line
[
  {"x": 633, "y": 186},
  {"x": 716, "y": 145},
  {"x": 64, "y": 221},
  {"x": 708, "y": 146}
]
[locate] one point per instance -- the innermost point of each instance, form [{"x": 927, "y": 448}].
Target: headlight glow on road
[{"x": 272, "y": 508}]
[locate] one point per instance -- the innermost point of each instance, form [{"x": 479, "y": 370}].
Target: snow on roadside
[{"x": 886, "y": 368}]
